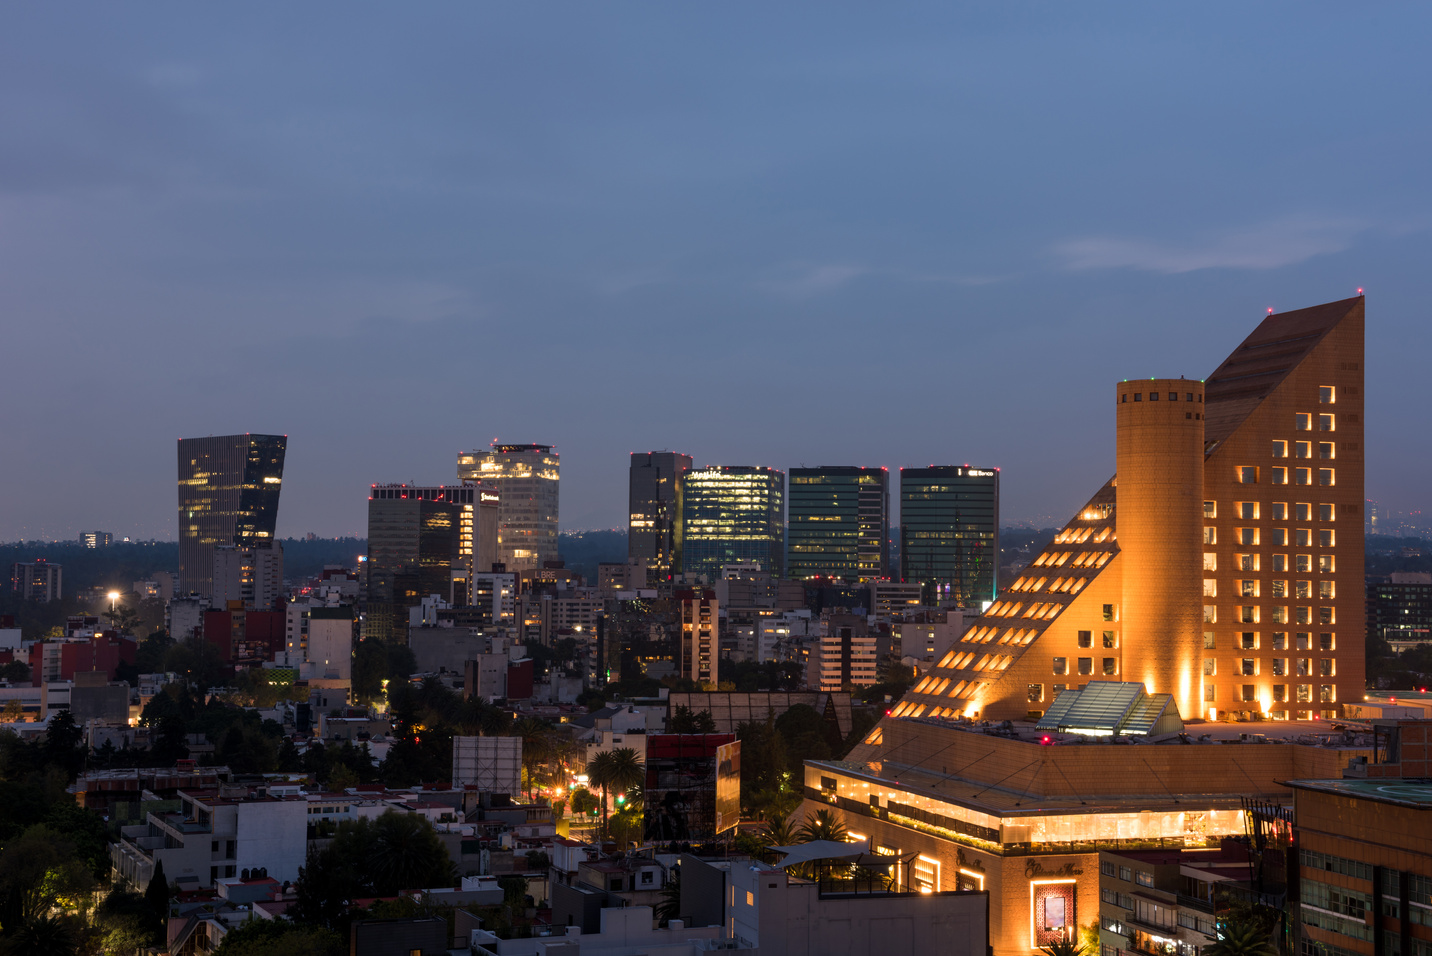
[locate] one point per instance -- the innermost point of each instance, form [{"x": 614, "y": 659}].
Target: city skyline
[{"x": 961, "y": 193}]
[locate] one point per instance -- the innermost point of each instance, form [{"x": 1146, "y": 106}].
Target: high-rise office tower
[
  {"x": 228, "y": 494},
  {"x": 731, "y": 514},
  {"x": 700, "y": 638},
  {"x": 526, "y": 478},
  {"x": 949, "y": 533},
  {"x": 37, "y": 580},
  {"x": 651, "y": 534},
  {"x": 414, "y": 543},
  {"x": 96, "y": 539},
  {"x": 839, "y": 522},
  {"x": 1222, "y": 565}
]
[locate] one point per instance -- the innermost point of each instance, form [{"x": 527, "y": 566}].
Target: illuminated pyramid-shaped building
[{"x": 1223, "y": 564}]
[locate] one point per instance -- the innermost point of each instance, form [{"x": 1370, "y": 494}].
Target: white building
[{"x": 253, "y": 575}]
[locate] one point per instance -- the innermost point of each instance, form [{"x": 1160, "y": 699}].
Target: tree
[
  {"x": 1241, "y": 939},
  {"x": 62, "y": 742},
  {"x": 14, "y": 712},
  {"x": 824, "y": 825},
  {"x": 16, "y": 672},
  {"x": 124, "y": 923},
  {"x": 268, "y": 937},
  {"x": 40, "y": 871},
  {"x": 51, "y": 935},
  {"x": 618, "y": 770},
  {"x": 778, "y": 832},
  {"x": 407, "y": 854},
  {"x": 537, "y": 747},
  {"x": 156, "y": 900}
]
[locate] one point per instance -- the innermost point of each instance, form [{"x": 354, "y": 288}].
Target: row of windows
[
  {"x": 1154, "y": 396},
  {"x": 1278, "y": 666},
  {"x": 1302, "y": 641},
  {"x": 1304, "y": 449},
  {"x": 1085, "y": 665},
  {"x": 1252, "y": 614},
  {"x": 1278, "y": 510},
  {"x": 1277, "y": 588},
  {"x": 1126, "y": 873},
  {"x": 1303, "y": 693},
  {"x": 1278, "y": 537},
  {"x": 1278, "y": 475},
  {"x": 1302, "y": 563},
  {"x": 1110, "y": 638}
]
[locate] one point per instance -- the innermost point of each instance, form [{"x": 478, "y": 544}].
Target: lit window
[
  {"x": 1210, "y": 561},
  {"x": 1327, "y": 394},
  {"x": 1111, "y": 666},
  {"x": 1280, "y": 640},
  {"x": 1303, "y": 537},
  {"x": 1061, "y": 666},
  {"x": 1111, "y": 640},
  {"x": 1208, "y": 640},
  {"x": 1248, "y": 510},
  {"x": 1279, "y": 537},
  {"x": 1247, "y": 535},
  {"x": 1305, "y": 666},
  {"x": 1247, "y": 614},
  {"x": 1278, "y": 475},
  {"x": 1302, "y": 449},
  {"x": 1305, "y": 563},
  {"x": 1280, "y": 667},
  {"x": 1325, "y": 615},
  {"x": 1279, "y": 588},
  {"x": 1248, "y": 475},
  {"x": 1325, "y": 563},
  {"x": 1210, "y": 535},
  {"x": 1327, "y": 449},
  {"x": 1303, "y": 589},
  {"x": 1108, "y": 612},
  {"x": 1302, "y": 476},
  {"x": 1086, "y": 665},
  {"x": 1210, "y": 509},
  {"x": 1305, "y": 511},
  {"x": 1326, "y": 476},
  {"x": 1303, "y": 422},
  {"x": 1325, "y": 537},
  {"x": 1327, "y": 423},
  {"x": 1086, "y": 638},
  {"x": 1210, "y": 667},
  {"x": 1210, "y": 587},
  {"x": 1248, "y": 588},
  {"x": 1210, "y": 614},
  {"x": 1248, "y": 562},
  {"x": 1280, "y": 511},
  {"x": 1209, "y": 693},
  {"x": 1327, "y": 513},
  {"x": 1325, "y": 642},
  {"x": 1280, "y": 449},
  {"x": 1036, "y": 693}
]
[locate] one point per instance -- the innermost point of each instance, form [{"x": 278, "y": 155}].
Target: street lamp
[{"x": 113, "y": 596}]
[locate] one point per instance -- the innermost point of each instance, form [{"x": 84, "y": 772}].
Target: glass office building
[
  {"x": 414, "y": 543},
  {"x": 731, "y": 515},
  {"x": 839, "y": 523},
  {"x": 228, "y": 494},
  {"x": 651, "y": 534},
  {"x": 527, "y": 478},
  {"x": 949, "y": 533}
]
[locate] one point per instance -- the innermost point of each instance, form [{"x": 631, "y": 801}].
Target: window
[
  {"x": 1305, "y": 666},
  {"x": 1248, "y": 475},
  {"x": 1280, "y": 511},
  {"x": 1325, "y": 563},
  {"x": 1208, "y": 640},
  {"x": 1144, "y": 878},
  {"x": 1153, "y": 396},
  {"x": 1325, "y": 693},
  {"x": 1325, "y": 615},
  {"x": 1304, "y": 563},
  {"x": 1086, "y": 638},
  {"x": 1248, "y": 588},
  {"x": 1248, "y": 640},
  {"x": 1325, "y": 538},
  {"x": 1247, "y": 614},
  {"x": 1210, "y": 561},
  {"x": 1210, "y": 509},
  {"x": 1325, "y": 642},
  {"x": 1086, "y": 665},
  {"x": 1210, "y": 666},
  {"x": 1302, "y": 449},
  {"x": 1057, "y": 689},
  {"x": 1304, "y": 511},
  {"x": 1188, "y": 396},
  {"x": 1279, "y": 475},
  {"x": 1061, "y": 665},
  {"x": 1279, "y": 588},
  {"x": 1327, "y": 394},
  {"x": 1036, "y": 693},
  {"x": 1303, "y": 538},
  {"x": 1302, "y": 476},
  {"x": 1250, "y": 692},
  {"x": 1280, "y": 692},
  {"x": 1248, "y": 510},
  {"x": 1138, "y": 396},
  {"x": 1326, "y": 476},
  {"x": 1327, "y": 449},
  {"x": 1327, "y": 512},
  {"x": 1300, "y": 640},
  {"x": 1280, "y": 449},
  {"x": 1280, "y": 615},
  {"x": 1325, "y": 667},
  {"x": 1111, "y": 665},
  {"x": 1327, "y": 423},
  {"x": 1210, "y": 614},
  {"x": 1247, "y": 536},
  {"x": 1106, "y": 869},
  {"x": 1210, "y": 535},
  {"x": 1249, "y": 668},
  {"x": 1280, "y": 562},
  {"x": 1280, "y": 667},
  {"x": 1208, "y": 692},
  {"x": 1303, "y": 615},
  {"x": 1303, "y": 422},
  {"x": 1108, "y": 612},
  {"x": 1210, "y": 587},
  {"x": 1111, "y": 639},
  {"x": 1279, "y": 537},
  {"x": 1126, "y": 873},
  {"x": 1305, "y": 693}
]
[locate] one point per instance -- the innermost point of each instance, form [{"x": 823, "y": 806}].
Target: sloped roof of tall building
[
  {"x": 1111, "y": 708},
  {"x": 1263, "y": 360}
]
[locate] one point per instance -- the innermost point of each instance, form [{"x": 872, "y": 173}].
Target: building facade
[
  {"x": 731, "y": 514},
  {"x": 651, "y": 534},
  {"x": 526, "y": 479},
  {"x": 949, "y": 533},
  {"x": 414, "y": 542},
  {"x": 1224, "y": 568},
  {"x": 700, "y": 636},
  {"x": 251, "y": 575},
  {"x": 37, "y": 580},
  {"x": 96, "y": 539},
  {"x": 839, "y": 523},
  {"x": 228, "y": 494},
  {"x": 1399, "y": 609}
]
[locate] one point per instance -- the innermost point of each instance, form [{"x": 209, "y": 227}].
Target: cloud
[
  {"x": 808, "y": 281},
  {"x": 1268, "y": 245}
]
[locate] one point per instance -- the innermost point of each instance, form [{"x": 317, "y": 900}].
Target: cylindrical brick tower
[{"x": 1160, "y": 530}]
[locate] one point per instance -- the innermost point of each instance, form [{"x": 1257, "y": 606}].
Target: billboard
[
  {"x": 492, "y": 764},
  {"x": 728, "y": 786}
]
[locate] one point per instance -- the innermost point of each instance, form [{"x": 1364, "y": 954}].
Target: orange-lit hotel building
[
  {"x": 1220, "y": 571},
  {"x": 1223, "y": 564}
]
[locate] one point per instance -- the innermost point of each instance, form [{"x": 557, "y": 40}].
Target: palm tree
[
  {"x": 778, "y": 832},
  {"x": 1241, "y": 939},
  {"x": 619, "y": 770},
  {"x": 536, "y": 744},
  {"x": 823, "y": 826},
  {"x": 1064, "y": 946}
]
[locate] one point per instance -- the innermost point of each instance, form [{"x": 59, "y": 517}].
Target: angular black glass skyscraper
[
  {"x": 949, "y": 533},
  {"x": 651, "y": 534},
  {"x": 228, "y": 494},
  {"x": 838, "y": 523}
]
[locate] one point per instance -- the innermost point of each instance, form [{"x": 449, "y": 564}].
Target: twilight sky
[{"x": 774, "y": 234}]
